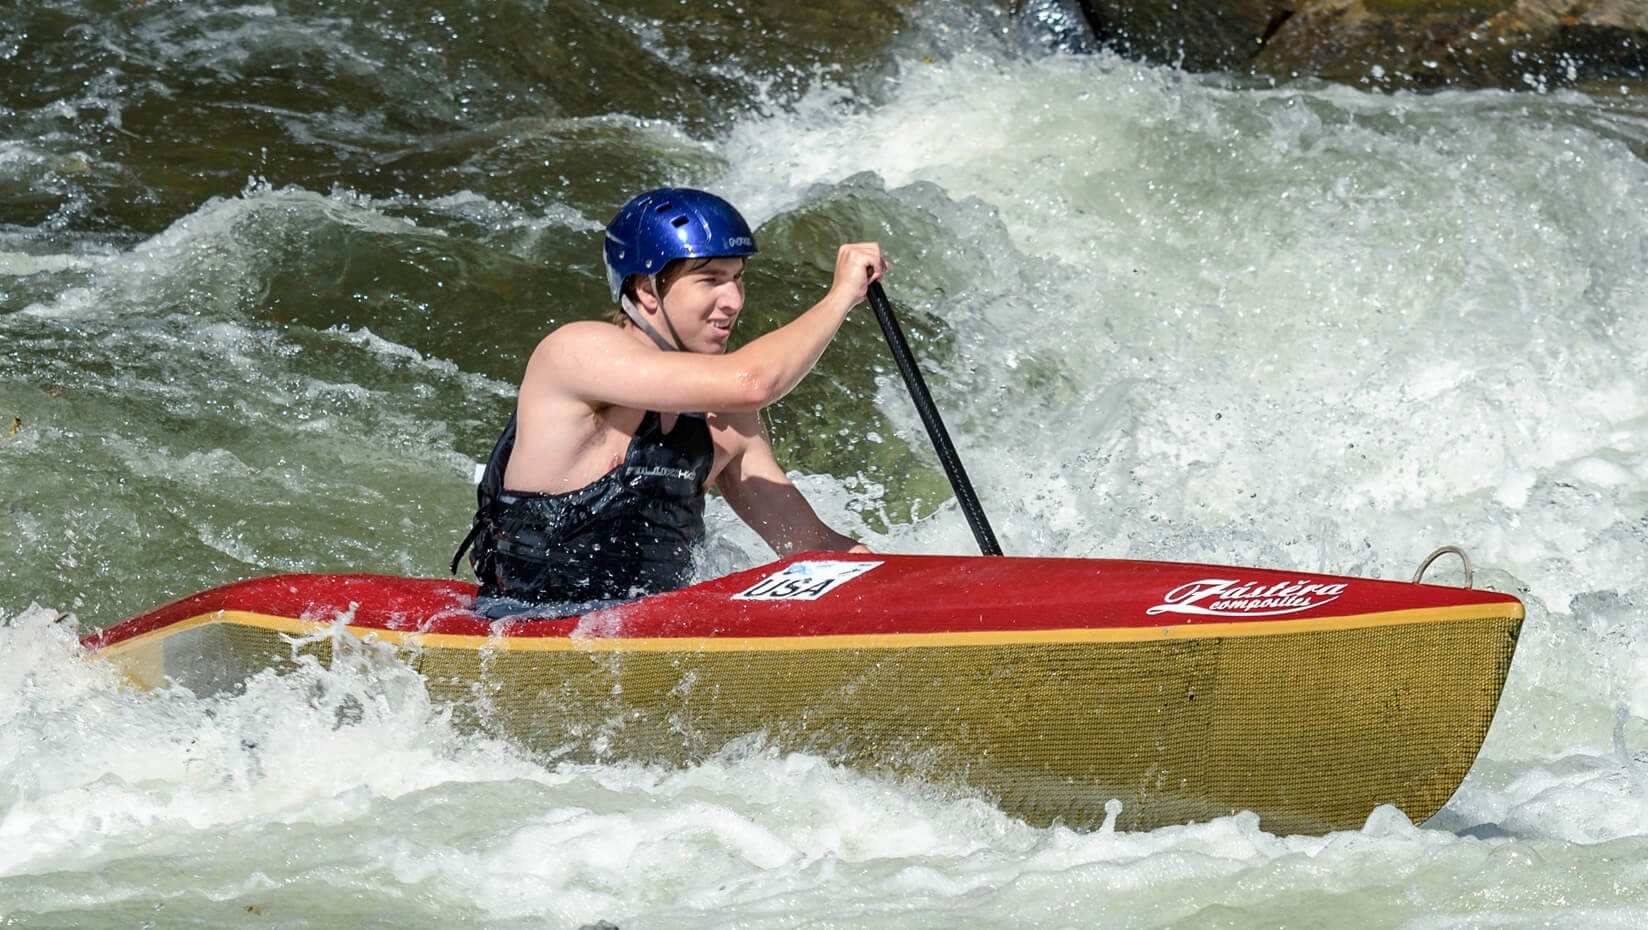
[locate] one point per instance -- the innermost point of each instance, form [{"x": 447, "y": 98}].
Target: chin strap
[{"x": 636, "y": 317}]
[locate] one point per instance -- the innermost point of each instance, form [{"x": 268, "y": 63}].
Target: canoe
[{"x": 1048, "y": 686}]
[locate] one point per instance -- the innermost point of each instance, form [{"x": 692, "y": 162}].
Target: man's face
[{"x": 704, "y": 302}]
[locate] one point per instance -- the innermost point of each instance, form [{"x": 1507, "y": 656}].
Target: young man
[{"x": 595, "y": 491}]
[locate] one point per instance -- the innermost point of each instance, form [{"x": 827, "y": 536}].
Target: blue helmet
[{"x": 669, "y": 223}]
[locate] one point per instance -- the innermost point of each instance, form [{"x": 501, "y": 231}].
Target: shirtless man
[{"x": 595, "y": 491}]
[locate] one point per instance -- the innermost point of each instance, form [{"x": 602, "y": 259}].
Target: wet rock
[
  {"x": 1433, "y": 43},
  {"x": 1200, "y": 35},
  {"x": 1388, "y": 43}
]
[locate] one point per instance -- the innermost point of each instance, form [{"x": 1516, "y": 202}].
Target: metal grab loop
[{"x": 1443, "y": 551}]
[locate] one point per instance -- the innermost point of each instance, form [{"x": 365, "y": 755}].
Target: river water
[{"x": 268, "y": 274}]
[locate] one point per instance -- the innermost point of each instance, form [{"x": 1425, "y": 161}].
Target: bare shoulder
[
  {"x": 582, "y": 336},
  {"x": 738, "y": 428},
  {"x": 572, "y": 353},
  {"x": 741, "y": 448}
]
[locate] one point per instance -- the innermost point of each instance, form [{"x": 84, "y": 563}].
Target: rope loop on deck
[{"x": 1440, "y": 552}]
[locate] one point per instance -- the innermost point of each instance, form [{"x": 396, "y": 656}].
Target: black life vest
[{"x": 628, "y": 534}]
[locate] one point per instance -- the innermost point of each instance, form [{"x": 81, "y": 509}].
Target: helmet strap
[
  {"x": 679, "y": 343},
  {"x": 627, "y": 304}
]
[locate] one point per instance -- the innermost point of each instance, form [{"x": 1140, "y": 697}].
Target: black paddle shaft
[{"x": 929, "y": 417}]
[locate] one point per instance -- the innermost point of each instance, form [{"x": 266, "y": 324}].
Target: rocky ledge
[{"x": 1390, "y": 43}]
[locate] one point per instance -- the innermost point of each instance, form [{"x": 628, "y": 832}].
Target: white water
[{"x": 1298, "y": 328}]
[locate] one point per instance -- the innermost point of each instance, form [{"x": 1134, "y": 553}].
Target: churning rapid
[{"x": 269, "y": 274}]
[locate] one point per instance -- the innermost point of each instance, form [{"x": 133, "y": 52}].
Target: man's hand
[{"x": 857, "y": 265}]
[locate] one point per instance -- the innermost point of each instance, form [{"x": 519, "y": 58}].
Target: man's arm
[
  {"x": 762, "y": 495},
  {"x": 597, "y": 364}
]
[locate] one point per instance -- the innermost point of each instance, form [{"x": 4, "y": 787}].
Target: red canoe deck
[{"x": 855, "y": 597}]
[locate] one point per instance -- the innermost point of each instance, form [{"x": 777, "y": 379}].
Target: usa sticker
[{"x": 803, "y": 581}]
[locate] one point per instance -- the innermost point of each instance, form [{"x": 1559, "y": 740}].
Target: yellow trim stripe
[{"x": 1181, "y": 631}]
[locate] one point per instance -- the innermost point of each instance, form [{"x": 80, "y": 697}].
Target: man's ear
[{"x": 646, "y": 295}]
